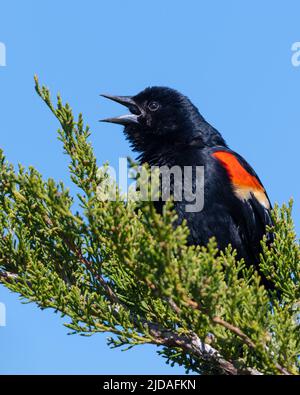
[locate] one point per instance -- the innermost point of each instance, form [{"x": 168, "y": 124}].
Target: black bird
[{"x": 165, "y": 128}]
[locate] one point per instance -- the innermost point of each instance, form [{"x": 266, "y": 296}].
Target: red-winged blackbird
[{"x": 165, "y": 128}]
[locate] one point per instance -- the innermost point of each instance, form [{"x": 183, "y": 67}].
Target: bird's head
[{"x": 161, "y": 115}]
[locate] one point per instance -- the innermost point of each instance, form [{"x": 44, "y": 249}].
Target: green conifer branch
[{"x": 122, "y": 268}]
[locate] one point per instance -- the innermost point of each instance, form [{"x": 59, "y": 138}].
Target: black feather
[{"x": 177, "y": 134}]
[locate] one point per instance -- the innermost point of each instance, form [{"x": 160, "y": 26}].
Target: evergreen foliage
[{"x": 119, "y": 267}]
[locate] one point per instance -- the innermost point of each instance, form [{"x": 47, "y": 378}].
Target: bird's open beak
[{"x": 123, "y": 119}]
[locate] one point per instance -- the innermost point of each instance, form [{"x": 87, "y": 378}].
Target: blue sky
[{"x": 233, "y": 59}]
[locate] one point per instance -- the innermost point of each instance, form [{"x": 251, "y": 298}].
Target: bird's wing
[
  {"x": 244, "y": 180},
  {"x": 247, "y": 187}
]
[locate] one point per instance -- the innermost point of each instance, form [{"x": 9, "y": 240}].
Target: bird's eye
[{"x": 153, "y": 106}]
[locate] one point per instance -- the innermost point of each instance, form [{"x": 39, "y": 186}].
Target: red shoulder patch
[
  {"x": 238, "y": 175},
  {"x": 243, "y": 182}
]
